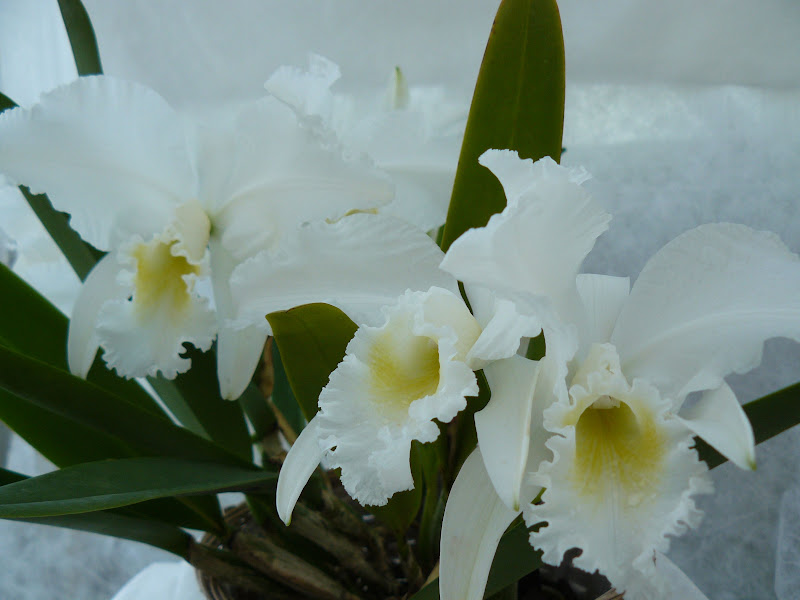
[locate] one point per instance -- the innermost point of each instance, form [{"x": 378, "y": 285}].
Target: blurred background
[{"x": 684, "y": 112}]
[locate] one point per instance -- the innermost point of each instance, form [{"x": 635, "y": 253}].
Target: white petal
[
  {"x": 303, "y": 457},
  {"x": 238, "y": 350},
  {"x": 393, "y": 382},
  {"x": 603, "y": 297},
  {"x": 474, "y": 521},
  {"x": 502, "y": 333},
  {"x": 504, "y": 425},
  {"x": 111, "y": 153},
  {"x": 704, "y": 305},
  {"x": 548, "y": 215},
  {"x": 622, "y": 477},
  {"x": 718, "y": 418},
  {"x": 359, "y": 264},
  {"x": 308, "y": 92},
  {"x": 146, "y": 334},
  {"x": 680, "y": 586},
  {"x": 100, "y": 286},
  {"x": 264, "y": 174},
  {"x": 174, "y": 580}
]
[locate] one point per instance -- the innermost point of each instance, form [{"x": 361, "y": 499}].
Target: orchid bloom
[
  {"x": 606, "y": 434},
  {"x": 413, "y": 134},
  {"x": 172, "y": 204}
]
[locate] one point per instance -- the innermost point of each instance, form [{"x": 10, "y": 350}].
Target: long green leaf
[
  {"x": 769, "y": 416},
  {"x": 79, "y": 400},
  {"x": 222, "y": 420},
  {"x": 283, "y": 398},
  {"x": 518, "y": 105},
  {"x": 513, "y": 560},
  {"x": 81, "y": 37},
  {"x": 113, "y": 483},
  {"x": 312, "y": 340},
  {"x": 32, "y": 326}
]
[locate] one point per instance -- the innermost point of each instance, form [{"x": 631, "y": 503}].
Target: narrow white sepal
[
  {"x": 719, "y": 419},
  {"x": 302, "y": 459},
  {"x": 82, "y": 340},
  {"x": 474, "y": 521},
  {"x": 504, "y": 425},
  {"x": 680, "y": 586}
]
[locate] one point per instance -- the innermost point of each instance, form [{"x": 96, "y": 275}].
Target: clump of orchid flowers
[{"x": 398, "y": 359}]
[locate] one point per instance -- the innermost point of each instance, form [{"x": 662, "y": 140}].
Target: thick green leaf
[
  {"x": 33, "y": 326},
  {"x": 769, "y": 416},
  {"x": 6, "y": 102},
  {"x": 81, "y": 256},
  {"x": 222, "y": 420},
  {"x": 312, "y": 340},
  {"x": 513, "y": 560},
  {"x": 81, "y": 37},
  {"x": 160, "y": 535},
  {"x": 258, "y": 411},
  {"x": 113, "y": 483},
  {"x": 518, "y": 105},
  {"x": 283, "y": 398},
  {"x": 63, "y": 394}
]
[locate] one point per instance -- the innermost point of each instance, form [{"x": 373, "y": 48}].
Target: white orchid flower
[
  {"x": 157, "y": 195},
  {"x": 608, "y": 436},
  {"x": 411, "y": 133}
]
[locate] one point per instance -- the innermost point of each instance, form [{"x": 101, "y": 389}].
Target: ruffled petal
[
  {"x": 393, "y": 382},
  {"x": 603, "y": 297},
  {"x": 504, "y": 425},
  {"x": 359, "y": 264},
  {"x": 100, "y": 286},
  {"x": 111, "y": 153},
  {"x": 307, "y": 91},
  {"x": 238, "y": 350},
  {"x": 719, "y": 419},
  {"x": 704, "y": 305},
  {"x": 146, "y": 334},
  {"x": 622, "y": 477},
  {"x": 548, "y": 215},
  {"x": 303, "y": 457},
  {"x": 264, "y": 174},
  {"x": 474, "y": 521}
]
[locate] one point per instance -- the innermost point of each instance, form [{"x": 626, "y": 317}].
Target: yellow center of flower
[
  {"x": 403, "y": 368},
  {"x": 159, "y": 283},
  {"x": 617, "y": 452}
]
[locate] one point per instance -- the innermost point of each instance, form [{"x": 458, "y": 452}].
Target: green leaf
[
  {"x": 36, "y": 328},
  {"x": 518, "y": 105},
  {"x": 72, "y": 398},
  {"x": 283, "y": 398},
  {"x": 513, "y": 560},
  {"x": 221, "y": 420},
  {"x": 769, "y": 416},
  {"x": 113, "y": 483},
  {"x": 6, "y": 103},
  {"x": 312, "y": 340},
  {"x": 258, "y": 411},
  {"x": 81, "y": 37}
]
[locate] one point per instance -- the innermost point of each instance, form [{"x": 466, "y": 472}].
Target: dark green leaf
[
  {"x": 513, "y": 560},
  {"x": 113, "y": 523},
  {"x": 6, "y": 103},
  {"x": 36, "y": 328},
  {"x": 113, "y": 483},
  {"x": 258, "y": 412},
  {"x": 518, "y": 105},
  {"x": 81, "y": 256},
  {"x": 769, "y": 416},
  {"x": 63, "y": 394},
  {"x": 283, "y": 397},
  {"x": 222, "y": 420},
  {"x": 81, "y": 37},
  {"x": 312, "y": 340}
]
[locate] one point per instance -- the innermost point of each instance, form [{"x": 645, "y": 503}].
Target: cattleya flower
[
  {"x": 393, "y": 382},
  {"x": 413, "y": 134},
  {"x": 603, "y": 429},
  {"x": 173, "y": 204}
]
